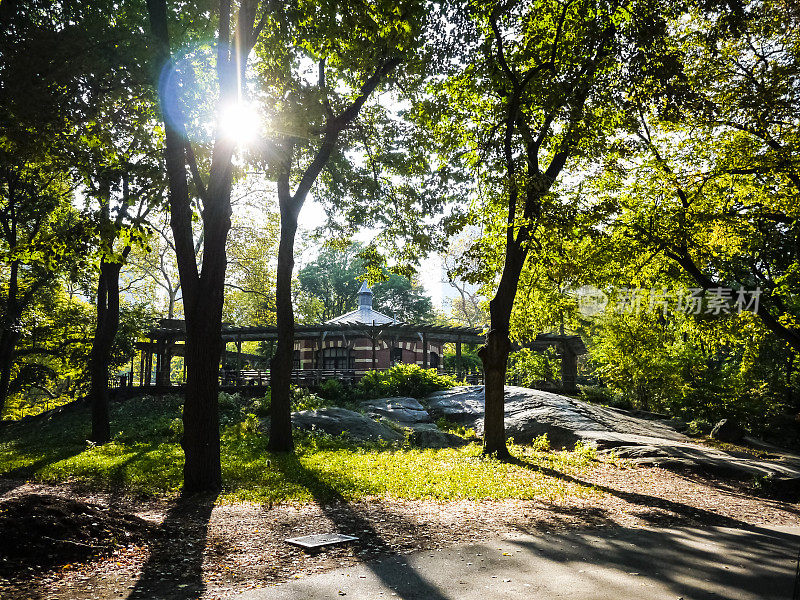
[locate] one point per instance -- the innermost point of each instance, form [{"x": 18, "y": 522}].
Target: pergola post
[
  {"x": 424, "y": 351},
  {"x": 238, "y": 358},
  {"x": 319, "y": 343},
  {"x": 158, "y": 362},
  {"x": 141, "y": 366},
  {"x": 373, "y": 337},
  {"x": 164, "y": 361},
  {"x": 148, "y": 363}
]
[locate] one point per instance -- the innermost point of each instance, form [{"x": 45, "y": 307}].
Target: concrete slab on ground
[{"x": 606, "y": 564}]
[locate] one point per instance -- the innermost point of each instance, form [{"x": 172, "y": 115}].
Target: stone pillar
[
  {"x": 158, "y": 361},
  {"x": 164, "y": 362},
  {"x": 459, "y": 369},
  {"x": 569, "y": 370}
]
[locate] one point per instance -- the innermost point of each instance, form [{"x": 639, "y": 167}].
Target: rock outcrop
[
  {"x": 335, "y": 421},
  {"x": 645, "y": 438}
]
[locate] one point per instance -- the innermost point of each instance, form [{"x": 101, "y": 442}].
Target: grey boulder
[
  {"x": 430, "y": 436},
  {"x": 401, "y": 410},
  {"x": 463, "y": 405},
  {"x": 531, "y": 413},
  {"x": 334, "y": 421}
]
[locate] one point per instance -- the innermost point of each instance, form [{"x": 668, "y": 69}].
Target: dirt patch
[{"x": 41, "y": 532}]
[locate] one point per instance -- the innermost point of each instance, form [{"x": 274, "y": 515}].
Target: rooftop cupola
[
  {"x": 364, "y": 314},
  {"x": 365, "y": 296}
]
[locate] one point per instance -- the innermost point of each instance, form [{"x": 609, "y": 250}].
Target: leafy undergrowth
[{"x": 145, "y": 457}]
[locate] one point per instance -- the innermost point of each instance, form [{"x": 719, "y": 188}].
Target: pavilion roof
[{"x": 176, "y": 330}]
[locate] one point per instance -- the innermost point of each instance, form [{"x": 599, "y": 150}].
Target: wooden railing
[
  {"x": 255, "y": 377},
  {"x": 299, "y": 376}
]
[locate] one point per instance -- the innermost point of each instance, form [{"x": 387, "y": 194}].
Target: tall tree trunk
[
  {"x": 10, "y": 334},
  {"x": 202, "y": 303},
  {"x": 280, "y": 433},
  {"x": 8, "y": 344},
  {"x": 494, "y": 354},
  {"x": 203, "y": 290},
  {"x": 280, "y": 436},
  {"x": 202, "y": 469},
  {"x": 105, "y": 331}
]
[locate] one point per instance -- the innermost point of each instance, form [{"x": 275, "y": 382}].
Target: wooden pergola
[{"x": 167, "y": 341}]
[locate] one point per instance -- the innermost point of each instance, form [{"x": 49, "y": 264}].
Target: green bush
[
  {"x": 541, "y": 443},
  {"x": 261, "y": 406},
  {"x": 403, "y": 380},
  {"x": 700, "y": 427},
  {"x": 596, "y": 394},
  {"x": 338, "y": 393},
  {"x": 332, "y": 389},
  {"x": 228, "y": 401},
  {"x": 174, "y": 431},
  {"x": 305, "y": 399},
  {"x": 465, "y": 432}
]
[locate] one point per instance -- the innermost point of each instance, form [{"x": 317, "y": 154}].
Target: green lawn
[{"x": 145, "y": 457}]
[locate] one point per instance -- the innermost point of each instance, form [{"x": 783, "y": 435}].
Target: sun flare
[{"x": 240, "y": 123}]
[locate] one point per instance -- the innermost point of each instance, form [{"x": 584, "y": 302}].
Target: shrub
[
  {"x": 403, "y": 380},
  {"x": 596, "y": 394},
  {"x": 261, "y": 406},
  {"x": 332, "y": 389},
  {"x": 174, "y": 431},
  {"x": 228, "y": 401},
  {"x": 465, "y": 432},
  {"x": 241, "y": 429},
  {"x": 541, "y": 443},
  {"x": 340, "y": 394},
  {"x": 700, "y": 427},
  {"x": 305, "y": 399}
]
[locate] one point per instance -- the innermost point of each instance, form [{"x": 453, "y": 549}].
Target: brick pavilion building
[{"x": 366, "y": 339}]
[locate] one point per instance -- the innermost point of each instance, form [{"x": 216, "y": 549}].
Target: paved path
[{"x": 611, "y": 564}]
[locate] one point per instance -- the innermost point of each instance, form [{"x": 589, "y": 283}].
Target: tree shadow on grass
[
  {"x": 174, "y": 569},
  {"x": 397, "y": 574},
  {"x": 660, "y": 510},
  {"x": 19, "y": 476},
  {"x": 46, "y": 438}
]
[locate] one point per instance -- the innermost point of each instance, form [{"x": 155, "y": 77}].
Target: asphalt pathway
[{"x": 608, "y": 564}]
